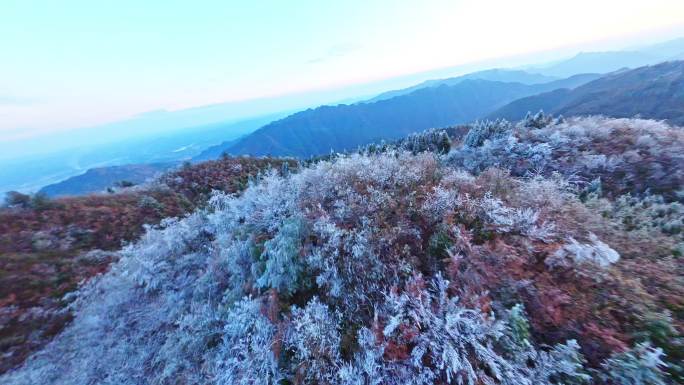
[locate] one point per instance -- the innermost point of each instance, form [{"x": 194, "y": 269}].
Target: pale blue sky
[{"x": 75, "y": 63}]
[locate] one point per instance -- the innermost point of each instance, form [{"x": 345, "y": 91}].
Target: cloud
[{"x": 335, "y": 51}]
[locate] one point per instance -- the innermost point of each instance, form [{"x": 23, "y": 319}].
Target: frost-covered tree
[
  {"x": 642, "y": 365},
  {"x": 486, "y": 130},
  {"x": 283, "y": 265}
]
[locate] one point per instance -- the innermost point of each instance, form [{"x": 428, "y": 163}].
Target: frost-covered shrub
[
  {"x": 115, "y": 338},
  {"x": 659, "y": 330},
  {"x": 147, "y": 202},
  {"x": 575, "y": 253},
  {"x": 538, "y": 120},
  {"x": 503, "y": 219},
  {"x": 563, "y": 363},
  {"x": 456, "y": 341},
  {"x": 245, "y": 356},
  {"x": 551, "y": 193},
  {"x": 314, "y": 337},
  {"x": 518, "y": 326},
  {"x": 630, "y": 155},
  {"x": 450, "y": 343},
  {"x": 648, "y": 213},
  {"x": 439, "y": 202},
  {"x": 347, "y": 268},
  {"x": 504, "y": 150},
  {"x": 432, "y": 140},
  {"x": 641, "y": 365}
]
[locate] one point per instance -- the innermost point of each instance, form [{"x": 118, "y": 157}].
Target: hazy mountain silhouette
[
  {"x": 609, "y": 61},
  {"x": 655, "y": 92},
  {"x": 496, "y": 74}
]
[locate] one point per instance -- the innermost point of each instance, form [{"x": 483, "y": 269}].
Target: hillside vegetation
[
  {"x": 545, "y": 252},
  {"x": 49, "y": 247}
]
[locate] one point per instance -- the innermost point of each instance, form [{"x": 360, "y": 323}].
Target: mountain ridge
[
  {"x": 495, "y": 74},
  {"x": 655, "y": 92},
  {"x": 343, "y": 127}
]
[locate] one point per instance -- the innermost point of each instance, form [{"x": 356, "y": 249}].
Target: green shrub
[{"x": 40, "y": 201}]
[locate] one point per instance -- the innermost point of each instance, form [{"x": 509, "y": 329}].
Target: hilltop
[{"x": 515, "y": 256}]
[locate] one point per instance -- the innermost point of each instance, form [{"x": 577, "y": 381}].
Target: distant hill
[
  {"x": 345, "y": 127},
  {"x": 655, "y": 92},
  {"x": 214, "y": 152},
  {"x": 497, "y": 75},
  {"x": 31, "y": 173},
  {"x": 99, "y": 179}
]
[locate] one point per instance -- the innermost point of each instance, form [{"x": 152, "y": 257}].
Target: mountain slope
[
  {"x": 345, "y": 127},
  {"x": 46, "y": 250},
  {"x": 99, "y": 179},
  {"x": 655, "y": 92},
  {"x": 481, "y": 266}
]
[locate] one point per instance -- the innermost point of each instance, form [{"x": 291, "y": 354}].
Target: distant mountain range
[
  {"x": 345, "y": 127},
  {"x": 101, "y": 178},
  {"x": 496, "y": 74},
  {"x": 655, "y": 92},
  {"x": 583, "y": 62},
  {"x": 610, "y": 61}
]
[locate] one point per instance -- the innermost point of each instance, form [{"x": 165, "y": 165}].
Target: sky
[{"x": 79, "y": 63}]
